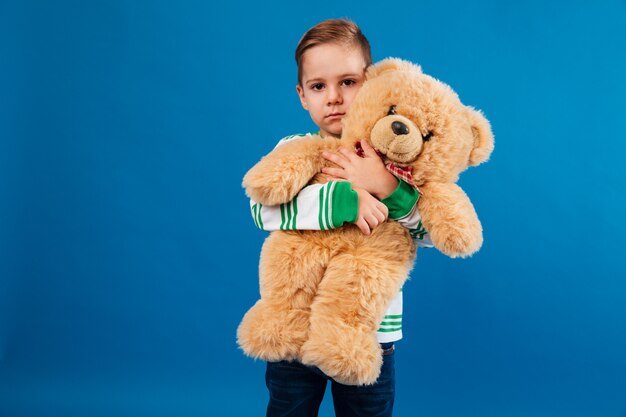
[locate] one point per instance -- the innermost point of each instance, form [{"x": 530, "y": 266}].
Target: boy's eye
[
  {"x": 349, "y": 82},
  {"x": 317, "y": 86}
]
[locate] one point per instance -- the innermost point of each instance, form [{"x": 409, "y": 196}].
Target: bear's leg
[
  {"x": 290, "y": 269},
  {"x": 350, "y": 303},
  {"x": 273, "y": 332}
]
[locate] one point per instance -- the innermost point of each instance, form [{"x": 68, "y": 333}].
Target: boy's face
[{"x": 332, "y": 74}]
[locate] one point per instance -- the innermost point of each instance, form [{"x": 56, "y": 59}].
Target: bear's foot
[
  {"x": 273, "y": 333},
  {"x": 350, "y": 357}
]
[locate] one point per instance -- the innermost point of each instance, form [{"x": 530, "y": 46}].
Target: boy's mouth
[{"x": 332, "y": 115}]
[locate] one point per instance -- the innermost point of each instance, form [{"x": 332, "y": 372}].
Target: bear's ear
[
  {"x": 483, "y": 137},
  {"x": 390, "y": 64}
]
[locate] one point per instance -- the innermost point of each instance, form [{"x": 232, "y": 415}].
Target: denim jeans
[{"x": 296, "y": 390}]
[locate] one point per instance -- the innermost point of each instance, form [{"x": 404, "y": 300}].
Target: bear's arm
[
  {"x": 450, "y": 218},
  {"x": 281, "y": 174}
]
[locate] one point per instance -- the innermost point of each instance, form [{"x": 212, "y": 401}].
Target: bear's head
[{"x": 414, "y": 120}]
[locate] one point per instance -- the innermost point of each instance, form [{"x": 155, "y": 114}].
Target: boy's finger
[
  {"x": 368, "y": 150},
  {"x": 380, "y": 215},
  {"x": 333, "y": 157},
  {"x": 349, "y": 155},
  {"x": 371, "y": 220},
  {"x": 335, "y": 172},
  {"x": 362, "y": 224},
  {"x": 384, "y": 209}
]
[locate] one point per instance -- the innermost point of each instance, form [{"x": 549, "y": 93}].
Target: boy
[{"x": 332, "y": 57}]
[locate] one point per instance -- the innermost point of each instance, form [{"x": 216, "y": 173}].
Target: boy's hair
[{"x": 338, "y": 31}]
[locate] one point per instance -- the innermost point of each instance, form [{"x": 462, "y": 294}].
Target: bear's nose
[{"x": 400, "y": 128}]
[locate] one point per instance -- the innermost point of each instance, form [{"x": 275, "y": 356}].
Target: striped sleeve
[
  {"x": 402, "y": 205},
  {"x": 316, "y": 207}
]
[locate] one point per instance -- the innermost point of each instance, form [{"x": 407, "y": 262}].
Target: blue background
[{"x": 128, "y": 255}]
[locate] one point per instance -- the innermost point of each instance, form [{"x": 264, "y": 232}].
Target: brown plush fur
[{"x": 324, "y": 293}]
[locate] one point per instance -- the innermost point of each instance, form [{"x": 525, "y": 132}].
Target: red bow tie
[{"x": 404, "y": 173}]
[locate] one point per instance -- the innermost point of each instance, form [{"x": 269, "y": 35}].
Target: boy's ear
[{"x": 300, "y": 92}]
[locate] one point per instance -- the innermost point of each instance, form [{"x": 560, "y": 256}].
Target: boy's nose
[{"x": 334, "y": 95}]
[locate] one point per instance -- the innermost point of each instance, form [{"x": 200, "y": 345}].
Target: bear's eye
[
  {"x": 427, "y": 136},
  {"x": 392, "y": 110}
]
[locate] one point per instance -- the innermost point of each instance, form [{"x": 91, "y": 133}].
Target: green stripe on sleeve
[
  {"x": 288, "y": 213},
  {"x": 327, "y": 205},
  {"x": 418, "y": 232},
  {"x": 295, "y": 214},
  {"x": 321, "y": 213},
  {"x": 253, "y": 209},
  {"x": 392, "y": 329},
  {"x": 282, "y": 217},
  {"x": 260, "y": 221}
]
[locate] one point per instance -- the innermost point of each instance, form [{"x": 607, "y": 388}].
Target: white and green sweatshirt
[{"x": 331, "y": 205}]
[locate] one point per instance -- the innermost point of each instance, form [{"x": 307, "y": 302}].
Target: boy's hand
[
  {"x": 371, "y": 211},
  {"x": 367, "y": 172}
]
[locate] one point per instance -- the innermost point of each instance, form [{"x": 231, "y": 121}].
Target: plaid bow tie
[{"x": 404, "y": 173}]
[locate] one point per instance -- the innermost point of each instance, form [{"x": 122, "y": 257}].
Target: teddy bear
[{"x": 324, "y": 293}]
